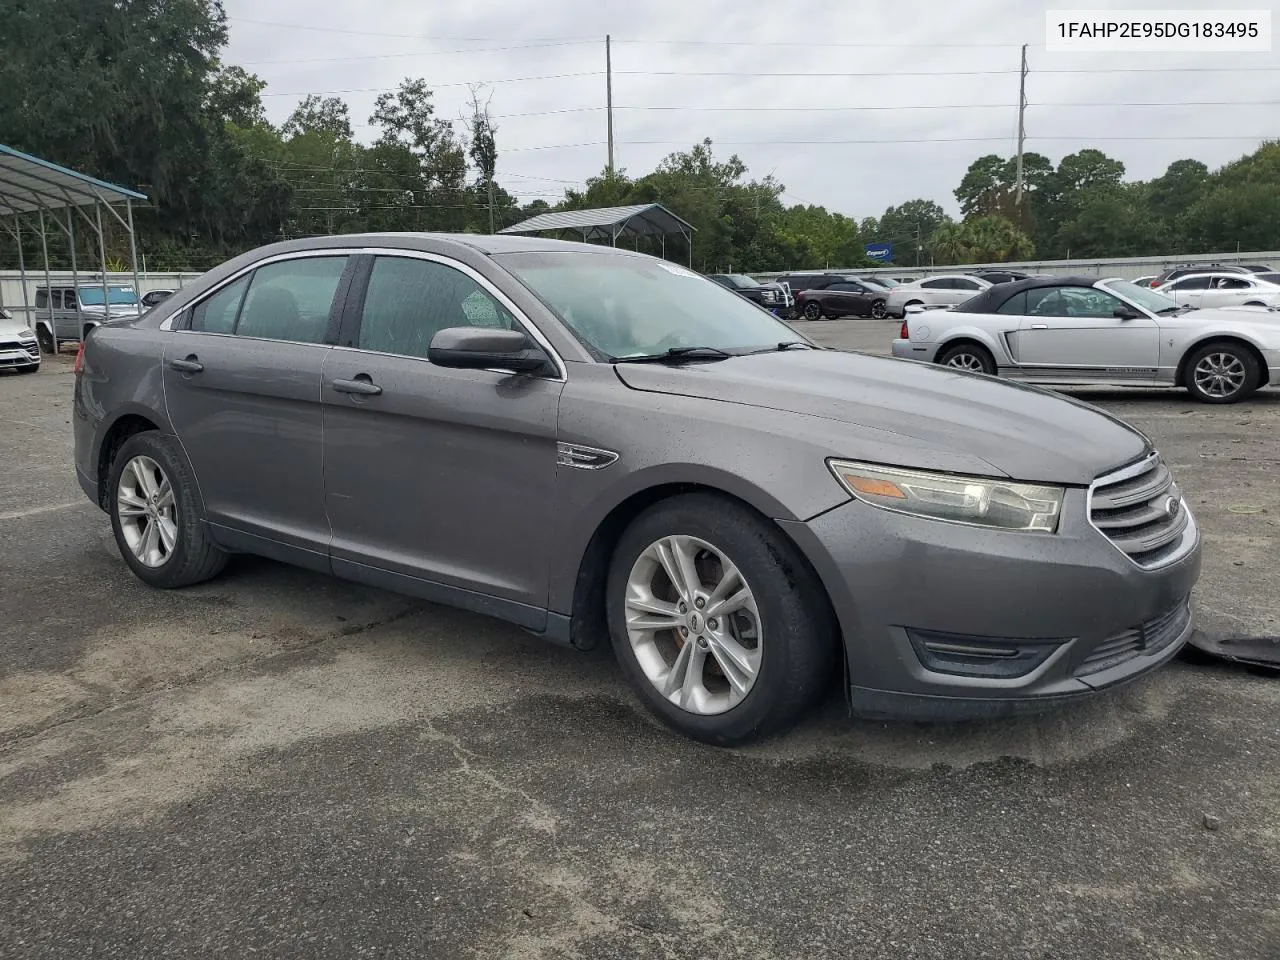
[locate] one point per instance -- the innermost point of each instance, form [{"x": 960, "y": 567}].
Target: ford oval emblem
[{"x": 1171, "y": 507}]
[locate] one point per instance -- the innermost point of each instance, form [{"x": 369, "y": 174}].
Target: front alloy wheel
[
  {"x": 148, "y": 518},
  {"x": 1222, "y": 373},
  {"x": 693, "y": 624},
  {"x": 878, "y": 311},
  {"x": 812, "y": 311}
]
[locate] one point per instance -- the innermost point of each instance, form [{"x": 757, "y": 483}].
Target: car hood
[
  {"x": 1025, "y": 433},
  {"x": 9, "y": 328}
]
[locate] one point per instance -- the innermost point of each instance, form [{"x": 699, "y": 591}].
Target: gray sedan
[{"x": 601, "y": 446}]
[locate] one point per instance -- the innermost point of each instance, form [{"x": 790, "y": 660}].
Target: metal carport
[
  {"x": 610, "y": 223},
  {"x": 29, "y": 185}
]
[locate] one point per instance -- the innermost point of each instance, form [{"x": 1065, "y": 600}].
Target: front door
[
  {"x": 437, "y": 475},
  {"x": 243, "y": 386},
  {"x": 1074, "y": 331}
]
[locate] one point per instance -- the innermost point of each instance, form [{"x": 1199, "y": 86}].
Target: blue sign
[{"x": 879, "y": 251}]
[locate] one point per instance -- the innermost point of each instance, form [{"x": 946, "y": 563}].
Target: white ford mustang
[{"x": 1064, "y": 331}]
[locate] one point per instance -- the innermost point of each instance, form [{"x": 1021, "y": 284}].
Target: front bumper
[
  {"x": 1072, "y": 598},
  {"x": 21, "y": 355}
]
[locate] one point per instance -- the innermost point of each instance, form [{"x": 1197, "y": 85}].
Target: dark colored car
[
  {"x": 596, "y": 444},
  {"x": 844, "y": 298},
  {"x": 1000, "y": 276},
  {"x": 771, "y": 296},
  {"x": 152, "y": 297},
  {"x": 798, "y": 282}
]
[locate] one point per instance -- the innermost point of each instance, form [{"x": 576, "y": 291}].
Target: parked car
[
  {"x": 999, "y": 276},
  {"x": 1256, "y": 267},
  {"x": 152, "y": 297},
  {"x": 1222, "y": 290},
  {"x": 887, "y": 283},
  {"x": 1078, "y": 330},
  {"x": 1173, "y": 273},
  {"x": 66, "y": 313},
  {"x": 942, "y": 290},
  {"x": 1144, "y": 281},
  {"x": 593, "y": 443},
  {"x": 1269, "y": 277},
  {"x": 796, "y": 282},
  {"x": 847, "y": 298},
  {"x": 771, "y": 296},
  {"x": 18, "y": 348}
]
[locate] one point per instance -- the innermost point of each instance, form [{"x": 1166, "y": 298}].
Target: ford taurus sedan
[
  {"x": 595, "y": 444},
  {"x": 1077, "y": 330}
]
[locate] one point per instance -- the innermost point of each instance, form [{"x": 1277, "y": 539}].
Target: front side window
[
  {"x": 622, "y": 305},
  {"x": 1079, "y": 302},
  {"x": 1015, "y": 305},
  {"x": 1192, "y": 283},
  {"x": 936, "y": 284},
  {"x": 409, "y": 301},
  {"x": 962, "y": 284},
  {"x": 291, "y": 300},
  {"x": 1233, "y": 283}
]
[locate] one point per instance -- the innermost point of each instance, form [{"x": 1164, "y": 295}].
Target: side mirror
[
  {"x": 482, "y": 348},
  {"x": 915, "y": 308},
  {"x": 1124, "y": 313}
]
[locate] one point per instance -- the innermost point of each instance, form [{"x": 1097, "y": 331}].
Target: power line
[
  {"x": 817, "y": 143},
  {"x": 412, "y": 36},
  {"x": 461, "y": 83},
  {"x": 419, "y": 53}
]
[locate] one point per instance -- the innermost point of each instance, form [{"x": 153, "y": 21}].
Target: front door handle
[
  {"x": 187, "y": 365},
  {"x": 361, "y": 386},
  {"x": 1039, "y": 326}
]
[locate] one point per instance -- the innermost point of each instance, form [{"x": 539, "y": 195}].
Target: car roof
[{"x": 992, "y": 299}]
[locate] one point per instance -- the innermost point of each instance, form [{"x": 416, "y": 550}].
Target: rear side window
[
  {"x": 1015, "y": 305},
  {"x": 291, "y": 300},
  {"x": 218, "y": 313},
  {"x": 962, "y": 284},
  {"x": 42, "y": 298},
  {"x": 410, "y": 300},
  {"x": 1232, "y": 283}
]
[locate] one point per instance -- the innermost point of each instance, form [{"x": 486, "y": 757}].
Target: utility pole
[
  {"x": 919, "y": 247},
  {"x": 1022, "y": 110},
  {"x": 608, "y": 92}
]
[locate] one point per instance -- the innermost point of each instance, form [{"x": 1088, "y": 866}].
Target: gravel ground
[{"x": 281, "y": 763}]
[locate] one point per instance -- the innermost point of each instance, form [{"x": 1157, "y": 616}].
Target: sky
[{"x": 939, "y": 79}]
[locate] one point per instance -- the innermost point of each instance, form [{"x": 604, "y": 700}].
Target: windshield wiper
[
  {"x": 675, "y": 355},
  {"x": 1176, "y": 308},
  {"x": 783, "y": 346}
]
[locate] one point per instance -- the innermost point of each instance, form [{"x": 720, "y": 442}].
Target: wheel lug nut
[
  {"x": 699, "y": 603},
  {"x": 684, "y": 607},
  {"x": 702, "y": 643},
  {"x": 713, "y": 624},
  {"x": 684, "y": 631}
]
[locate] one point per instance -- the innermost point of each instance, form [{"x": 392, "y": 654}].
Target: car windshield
[
  {"x": 628, "y": 306},
  {"x": 739, "y": 281},
  {"x": 92, "y": 296},
  {"x": 1145, "y": 297}
]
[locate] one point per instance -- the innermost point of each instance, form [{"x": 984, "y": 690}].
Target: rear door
[
  {"x": 1188, "y": 290},
  {"x": 243, "y": 386},
  {"x": 437, "y": 476}
]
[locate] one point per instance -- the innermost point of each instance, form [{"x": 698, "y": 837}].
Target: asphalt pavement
[{"x": 281, "y": 764}]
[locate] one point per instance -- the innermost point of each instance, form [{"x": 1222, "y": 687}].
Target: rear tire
[
  {"x": 813, "y": 311},
  {"x": 781, "y": 627},
  {"x": 45, "y": 339},
  {"x": 878, "y": 311},
  {"x": 1222, "y": 373},
  {"x": 163, "y": 539},
  {"x": 972, "y": 357}
]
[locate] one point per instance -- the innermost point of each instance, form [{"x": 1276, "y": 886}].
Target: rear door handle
[
  {"x": 187, "y": 365},
  {"x": 361, "y": 386}
]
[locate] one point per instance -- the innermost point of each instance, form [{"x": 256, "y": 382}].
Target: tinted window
[
  {"x": 291, "y": 300},
  {"x": 962, "y": 284},
  {"x": 1232, "y": 283},
  {"x": 936, "y": 285},
  {"x": 410, "y": 300},
  {"x": 217, "y": 314},
  {"x": 57, "y": 299},
  {"x": 1193, "y": 283},
  {"x": 1015, "y": 305},
  {"x": 42, "y": 298},
  {"x": 848, "y": 287}
]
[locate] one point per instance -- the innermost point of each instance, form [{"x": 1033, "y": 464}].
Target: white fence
[
  {"x": 11, "y": 284},
  {"x": 1128, "y": 268}
]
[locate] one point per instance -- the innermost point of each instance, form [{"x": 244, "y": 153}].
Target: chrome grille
[
  {"x": 1145, "y": 638},
  {"x": 1139, "y": 509}
]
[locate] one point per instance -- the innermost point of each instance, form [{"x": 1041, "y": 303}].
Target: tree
[
  {"x": 948, "y": 244},
  {"x": 483, "y": 147},
  {"x": 316, "y": 114},
  {"x": 235, "y": 96},
  {"x": 995, "y": 239},
  {"x": 984, "y": 186},
  {"x": 908, "y": 224}
]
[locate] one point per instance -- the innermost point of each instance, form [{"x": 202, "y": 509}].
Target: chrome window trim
[
  {"x": 1190, "y": 536},
  {"x": 521, "y": 317}
]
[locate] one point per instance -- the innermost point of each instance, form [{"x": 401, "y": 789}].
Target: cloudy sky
[{"x": 765, "y": 81}]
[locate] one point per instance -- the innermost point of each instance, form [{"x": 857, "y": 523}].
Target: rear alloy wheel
[
  {"x": 969, "y": 356},
  {"x": 45, "y": 339},
  {"x": 1222, "y": 373},
  {"x": 877, "y": 310},
  {"x": 717, "y": 620},
  {"x": 812, "y": 310},
  {"x": 155, "y": 515}
]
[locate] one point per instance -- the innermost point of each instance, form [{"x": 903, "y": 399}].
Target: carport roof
[
  {"x": 28, "y": 184},
  {"x": 643, "y": 219}
]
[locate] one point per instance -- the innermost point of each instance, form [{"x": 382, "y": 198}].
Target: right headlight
[{"x": 980, "y": 501}]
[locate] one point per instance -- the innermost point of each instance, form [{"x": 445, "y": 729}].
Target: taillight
[
  {"x": 903, "y": 333},
  {"x": 80, "y": 358}
]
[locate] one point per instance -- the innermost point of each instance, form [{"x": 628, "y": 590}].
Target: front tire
[
  {"x": 972, "y": 357},
  {"x": 878, "y": 311},
  {"x": 155, "y": 514},
  {"x": 45, "y": 339},
  {"x": 813, "y": 311},
  {"x": 717, "y": 620},
  {"x": 1222, "y": 373}
]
